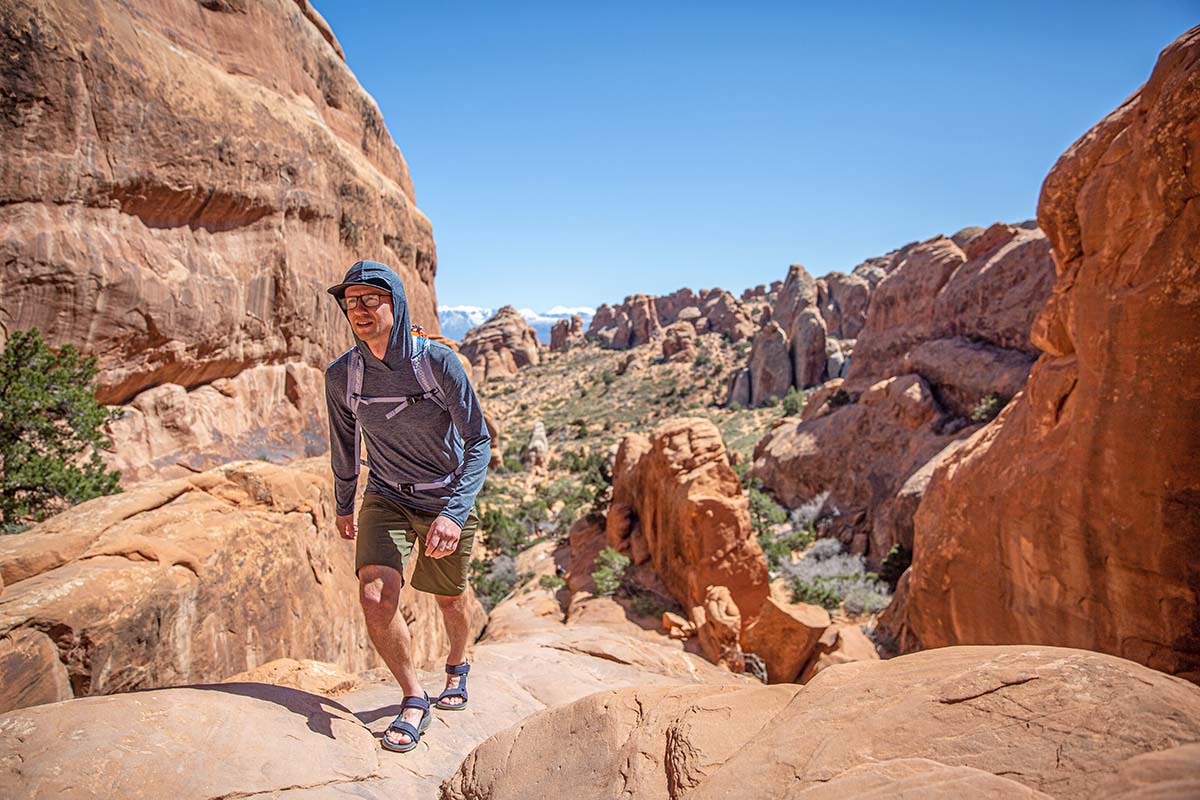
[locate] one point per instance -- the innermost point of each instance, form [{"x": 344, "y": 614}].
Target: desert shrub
[
  {"x": 513, "y": 461},
  {"x": 735, "y": 407},
  {"x": 764, "y": 511},
  {"x": 828, "y": 577},
  {"x": 988, "y": 408},
  {"x": 607, "y": 378},
  {"x": 609, "y": 571},
  {"x": 502, "y": 533},
  {"x": 646, "y": 604},
  {"x": 51, "y": 431},
  {"x": 551, "y": 583},
  {"x": 494, "y": 578},
  {"x": 703, "y": 359},
  {"x": 805, "y": 515},
  {"x": 894, "y": 563},
  {"x": 793, "y": 402}
]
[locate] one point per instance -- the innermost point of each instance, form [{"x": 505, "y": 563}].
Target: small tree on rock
[{"x": 51, "y": 430}]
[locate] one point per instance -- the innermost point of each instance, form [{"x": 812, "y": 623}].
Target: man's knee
[
  {"x": 379, "y": 593},
  {"x": 452, "y": 601}
]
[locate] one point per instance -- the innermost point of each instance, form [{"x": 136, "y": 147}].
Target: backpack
[{"x": 431, "y": 390}]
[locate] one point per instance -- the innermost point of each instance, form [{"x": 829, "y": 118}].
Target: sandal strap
[
  {"x": 406, "y": 728},
  {"x": 456, "y": 692},
  {"x": 458, "y": 669},
  {"x": 412, "y": 701}
]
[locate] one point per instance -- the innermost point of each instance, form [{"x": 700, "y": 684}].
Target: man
[{"x": 427, "y": 453}]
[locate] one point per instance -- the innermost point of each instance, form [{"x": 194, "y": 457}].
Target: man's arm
[
  {"x": 467, "y": 414},
  {"x": 341, "y": 444}
]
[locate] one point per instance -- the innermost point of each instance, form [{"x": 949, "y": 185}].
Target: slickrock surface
[
  {"x": 179, "y": 181},
  {"x": 677, "y": 504},
  {"x": 248, "y": 738},
  {"x": 500, "y": 346},
  {"x": 1074, "y": 517},
  {"x": 1056, "y": 721},
  {"x": 188, "y": 580}
]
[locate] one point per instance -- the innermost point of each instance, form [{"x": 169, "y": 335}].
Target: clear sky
[{"x": 575, "y": 153}]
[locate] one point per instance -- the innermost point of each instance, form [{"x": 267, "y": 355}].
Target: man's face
[{"x": 372, "y": 325}]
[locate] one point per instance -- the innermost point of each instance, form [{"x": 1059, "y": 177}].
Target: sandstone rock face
[
  {"x": 314, "y": 677},
  {"x": 718, "y": 623},
  {"x": 1042, "y": 717},
  {"x": 180, "y": 182},
  {"x": 675, "y": 494},
  {"x": 917, "y": 777},
  {"x": 770, "y": 364},
  {"x": 1074, "y": 517},
  {"x": 500, "y": 346},
  {"x": 886, "y": 436},
  {"x": 567, "y": 333},
  {"x": 192, "y": 579},
  {"x": 269, "y": 412},
  {"x": 843, "y": 302},
  {"x": 839, "y": 644}
]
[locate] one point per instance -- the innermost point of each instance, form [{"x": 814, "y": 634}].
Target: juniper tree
[{"x": 51, "y": 431}]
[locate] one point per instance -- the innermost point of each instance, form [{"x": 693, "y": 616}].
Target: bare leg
[
  {"x": 457, "y": 622},
  {"x": 379, "y": 593}
]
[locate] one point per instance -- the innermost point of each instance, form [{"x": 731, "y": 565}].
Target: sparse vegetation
[
  {"x": 551, "y": 583},
  {"x": 793, "y": 402}
]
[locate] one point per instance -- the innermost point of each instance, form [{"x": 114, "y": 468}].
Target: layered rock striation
[{"x": 179, "y": 183}]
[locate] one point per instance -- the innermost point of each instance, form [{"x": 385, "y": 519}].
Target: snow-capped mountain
[{"x": 457, "y": 320}]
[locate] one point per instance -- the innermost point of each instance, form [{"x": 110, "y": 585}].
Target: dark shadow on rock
[{"x": 310, "y": 706}]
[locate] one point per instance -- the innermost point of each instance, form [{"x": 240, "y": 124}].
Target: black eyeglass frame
[{"x": 368, "y": 301}]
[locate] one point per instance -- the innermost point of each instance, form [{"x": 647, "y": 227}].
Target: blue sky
[{"x": 572, "y": 154}]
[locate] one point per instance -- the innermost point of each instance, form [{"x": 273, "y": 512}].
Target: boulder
[
  {"x": 1163, "y": 775},
  {"x": 1074, "y": 517},
  {"x": 500, "y": 346},
  {"x": 784, "y": 636},
  {"x": 1054, "y": 720},
  {"x": 838, "y": 644},
  {"x": 177, "y": 208},
  {"x": 193, "y": 579},
  {"x": 718, "y": 624},
  {"x": 537, "y": 452},
  {"x": 737, "y": 388},
  {"x": 314, "y": 677},
  {"x": 677, "y": 491},
  {"x": 843, "y": 302}
]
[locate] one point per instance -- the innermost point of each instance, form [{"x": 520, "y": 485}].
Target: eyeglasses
[{"x": 367, "y": 300}]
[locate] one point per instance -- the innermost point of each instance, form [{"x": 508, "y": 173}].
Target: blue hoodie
[{"x": 421, "y": 444}]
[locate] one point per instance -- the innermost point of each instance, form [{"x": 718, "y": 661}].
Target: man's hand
[
  {"x": 347, "y": 528},
  {"x": 443, "y": 537}
]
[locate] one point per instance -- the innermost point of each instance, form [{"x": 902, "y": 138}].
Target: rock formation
[
  {"x": 642, "y": 318},
  {"x": 177, "y": 208},
  {"x": 537, "y": 453},
  {"x": 1004, "y": 721},
  {"x": 678, "y": 505},
  {"x": 187, "y": 580},
  {"x": 942, "y": 338},
  {"x": 567, "y": 333},
  {"x": 1074, "y": 517},
  {"x": 500, "y": 346}
]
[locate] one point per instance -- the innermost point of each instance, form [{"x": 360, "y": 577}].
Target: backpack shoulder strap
[
  {"x": 422, "y": 366},
  {"x": 354, "y": 381}
]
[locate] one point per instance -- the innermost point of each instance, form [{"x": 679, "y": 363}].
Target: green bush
[
  {"x": 735, "y": 407},
  {"x": 494, "y": 579},
  {"x": 793, "y": 402},
  {"x": 646, "y": 604},
  {"x": 609, "y": 571},
  {"x": 988, "y": 408},
  {"x": 551, "y": 583},
  {"x": 608, "y": 378},
  {"x": 817, "y": 593},
  {"x": 702, "y": 360},
  {"x": 503, "y": 533},
  {"x": 50, "y": 431}
]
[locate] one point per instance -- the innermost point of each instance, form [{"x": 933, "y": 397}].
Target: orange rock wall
[{"x": 1074, "y": 518}]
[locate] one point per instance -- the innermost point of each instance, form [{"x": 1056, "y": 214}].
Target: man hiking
[{"x": 427, "y": 453}]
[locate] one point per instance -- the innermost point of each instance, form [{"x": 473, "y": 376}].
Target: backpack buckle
[{"x": 406, "y": 488}]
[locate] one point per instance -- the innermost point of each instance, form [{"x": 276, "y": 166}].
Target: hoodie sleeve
[
  {"x": 467, "y": 414},
  {"x": 341, "y": 438}
]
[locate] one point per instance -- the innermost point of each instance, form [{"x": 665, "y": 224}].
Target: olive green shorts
[{"x": 386, "y": 533}]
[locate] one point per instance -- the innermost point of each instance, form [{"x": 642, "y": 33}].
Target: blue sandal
[
  {"x": 400, "y": 726},
  {"x": 459, "y": 691}
]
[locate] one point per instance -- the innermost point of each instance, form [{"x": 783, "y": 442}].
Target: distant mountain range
[{"x": 457, "y": 320}]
